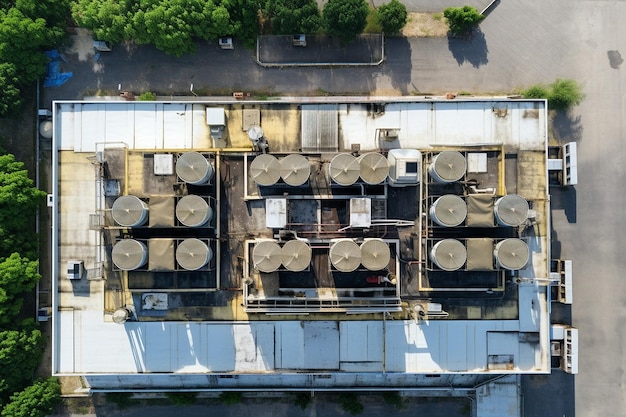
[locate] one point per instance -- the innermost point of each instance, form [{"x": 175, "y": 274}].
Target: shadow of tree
[
  {"x": 567, "y": 127},
  {"x": 472, "y": 48}
]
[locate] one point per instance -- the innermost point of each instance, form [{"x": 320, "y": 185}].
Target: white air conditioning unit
[{"x": 75, "y": 269}]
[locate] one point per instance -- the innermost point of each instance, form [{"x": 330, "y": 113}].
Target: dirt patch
[{"x": 425, "y": 25}]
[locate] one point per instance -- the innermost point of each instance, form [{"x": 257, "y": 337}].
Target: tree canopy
[
  {"x": 289, "y": 17},
  {"x": 37, "y": 400},
  {"x": 345, "y": 18},
  {"x": 392, "y": 16},
  {"x": 20, "y": 354},
  {"x": 17, "y": 276},
  {"x": 11, "y": 98},
  {"x": 462, "y": 19}
]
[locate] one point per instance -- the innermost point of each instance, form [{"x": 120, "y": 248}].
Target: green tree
[
  {"x": 565, "y": 94},
  {"x": 19, "y": 200},
  {"x": 293, "y": 16},
  {"x": 345, "y": 18},
  {"x": 392, "y": 16},
  {"x": 461, "y": 20},
  {"x": 20, "y": 354},
  {"x": 108, "y": 19},
  {"x": 17, "y": 276},
  {"x": 11, "y": 98},
  {"x": 54, "y": 12},
  {"x": 37, "y": 400},
  {"x": 244, "y": 17}
]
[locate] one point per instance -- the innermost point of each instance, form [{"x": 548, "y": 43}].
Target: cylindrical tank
[
  {"x": 194, "y": 168},
  {"x": 265, "y": 169},
  {"x": 45, "y": 129},
  {"x": 193, "y": 211},
  {"x": 448, "y": 254},
  {"x": 344, "y": 169},
  {"x": 448, "y": 210},
  {"x": 345, "y": 255},
  {"x": 512, "y": 254},
  {"x": 130, "y": 211},
  {"x": 374, "y": 167},
  {"x": 375, "y": 254},
  {"x": 295, "y": 169},
  {"x": 296, "y": 255},
  {"x": 192, "y": 254},
  {"x": 511, "y": 210},
  {"x": 129, "y": 254},
  {"x": 447, "y": 166}
]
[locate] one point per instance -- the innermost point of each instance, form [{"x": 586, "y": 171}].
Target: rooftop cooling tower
[
  {"x": 345, "y": 255},
  {"x": 374, "y": 167},
  {"x": 512, "y": 254},
  {"x": 375, "y": 254},
  {"x": 194, "y": 168},
  {"x": 448, "y": 254},
  {"x": 448, "y": 210},
  {"x": 296, "y": 255},
  {"x": 511, "y": 210},
  {"x": 447, "y": 166},
  {"x": 267, "y": 256},
  {"x": 265, "y": 169},
  {"x": 344, "y": 169},
  {"x": 295, "y": 169},
  {"x": 193, "y": 211},
  {"x": 129, "y": 254},
  {"x": 193, "y": 254},
  {"x": 129, "y": 211}
]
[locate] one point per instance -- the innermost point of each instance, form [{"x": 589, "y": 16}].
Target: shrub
[
  {"x": 147, "y": 96},
  {"x": 393, "y": 398},
  {"x": 536, "y": 91},
  {"x": 181, "y": 398},
  {"x": 462, "y": 19},
  {"x": 565, "y": 94},
  {"x": 303, "y": 399},
  {"x": 231, "y": 397},
  {"x": 392, "y": 16},
  {"x": 121, "y": 399},
  {"x": 351, "y": 404}
]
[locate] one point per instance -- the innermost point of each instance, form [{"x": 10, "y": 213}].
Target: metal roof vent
[
  {"x": 295, "y": 169},
  {"x": 374, "y": 167},
  {"x": 193, "y": 254},
  {"x": 512, "y": 254},
  {"x": 129, "y": 254},
  {"x": 447, "y": 166},
  {"x": 448, "y": 210},
  {"x": 296, "y": 255},
  {"x": 194, "y": 168},
  {"x": 345, "y": 255},
  {"x": 267, "y": 256},
  {"x": 129, "y": 211},
  {"x": 344, "y": 169},
  {"x": 265, "y": 169},
  {"x": 511, "y": 210},
  {"x": 375, "y": 254},
  {"x": 193, "y": 211},
  {"x": 448, "y": 254}
]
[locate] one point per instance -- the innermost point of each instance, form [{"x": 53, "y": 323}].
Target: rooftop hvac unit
[
  {"x": 512, "y": 254},
  {"x": 265, "y": 169},
  {"x": 193, "y": 254},
  {"x": 448, "y": 254},
  {"x": 129, "y": 211},
  {"x": 375, "y": 254},
  {"x": 45, "y": 129},
  {"x": 447, "y": 166},
  {"x": 122, "y": 315},
  {"x": 267, "y": 256},
  {"x": 129, "y": 254},
  {"x": 374, "y": 167},
  {"x": 75, "y": 269},
  {"x": 448, "y": 210},
  {"x": 511, "y": 210},
  {"x": 194, "y": 168},
  {"x": 345, "y": 255},
  {"x": 405, "y": 167},
  {"x": 296, "y": 255},
  {"x": 295, "y": 169},
  {"x": 344, "y": 169},
  {"x": 193, "y": 211}
]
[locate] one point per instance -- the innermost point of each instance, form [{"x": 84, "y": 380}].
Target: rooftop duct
[
  {"x": 512, "y": 254},
  {"x": 296, "y": 255},
  {"x": 265, "y": 169},
  {"x": 194, "y": 168},
  {"x": 448, "y": 210},
  {"x": 511, "y": 210},
  {"x": 129, "y": 211},
  {"x": 193, "y": 254},
  {"x": 193, "y": 211},
  {"x": 129, "y": 254},
  {"x": 448, "y": 254},
  {"x": 374, "y": 167},
  {"x": 344, "y": 169},
  {"x": 295, "y": 169},
  {"x": 375, "y": 254},
  {"x": 345, "y": 255},
  {"x": 447, "y": 166},
  {"x": 267, "y": 256}
]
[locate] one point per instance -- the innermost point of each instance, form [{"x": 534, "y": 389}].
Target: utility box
[
  {"x": 226, "y": 42},
  {"x": 75, "y": 269},
  {"x": 102, "y": 46},
  {"x": 299, "y": 40}
]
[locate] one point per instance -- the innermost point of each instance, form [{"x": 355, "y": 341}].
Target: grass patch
[{"x": 372, "y": 24}]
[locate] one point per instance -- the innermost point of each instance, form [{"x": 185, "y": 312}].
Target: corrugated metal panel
[
  {"x": 320, "y": 131},
  {"x": 148, "y": 134},
  {"x": 321, "y": 345},
  {"x": 361, "y": 346},
  {"x": 220, "y": 348},
  {"x": 175, "y": 126}
]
